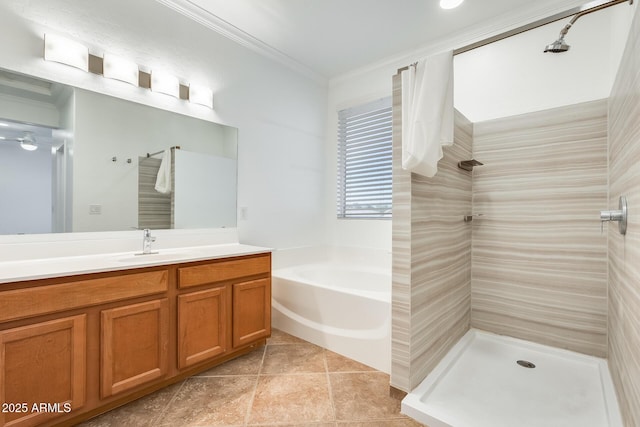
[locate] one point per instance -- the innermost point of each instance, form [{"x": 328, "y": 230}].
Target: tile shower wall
[
  {"x": 539, "y": 256},
  {"x": 624, "y": 251},
  {"x": 154, "y": 208},
  {"x": 431, "y": 257}
]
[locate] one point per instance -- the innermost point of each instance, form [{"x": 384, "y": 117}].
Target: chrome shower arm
[{"x": 589, "y": 8}]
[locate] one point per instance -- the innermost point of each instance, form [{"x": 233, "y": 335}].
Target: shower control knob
[{"x": 619, "y": 215}]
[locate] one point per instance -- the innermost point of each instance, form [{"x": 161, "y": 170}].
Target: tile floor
[{"x": 288, "y": 382}]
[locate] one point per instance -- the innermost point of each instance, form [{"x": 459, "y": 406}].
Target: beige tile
[
  {"x": 400, "y": 422},
  {"x": 248, "y": 364},
  {"x": 291, "y": 399},
  {"x": 210, "y": 401},
  {"x": 299, "y": 425},
  {"x": 141, "y": 412},
  {"x": 338, "y": 363},
  {"x": 278, "y": 337},
  {"x": 295, "y": 358},
  {"x": 363, "y": 396},
  {"x": 431, "y": 278},
  {"x": 624, "y": 251}
]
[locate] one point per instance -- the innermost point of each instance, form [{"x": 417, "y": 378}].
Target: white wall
[
  {"x": 63, "y": 218},
  {"x": 280, "y": 114},
  {"x": 25, "y": 189},
  {"x": 514, "y": 76},
  {"x": 28, "y": 111}
]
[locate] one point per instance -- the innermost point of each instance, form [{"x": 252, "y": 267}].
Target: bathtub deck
[{"x": 480, "y": 384}]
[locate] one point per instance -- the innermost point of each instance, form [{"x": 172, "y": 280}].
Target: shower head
[{"x": 557, "y": 46}]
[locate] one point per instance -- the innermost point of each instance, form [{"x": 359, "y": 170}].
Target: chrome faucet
[{"x": 147, "y": 239}]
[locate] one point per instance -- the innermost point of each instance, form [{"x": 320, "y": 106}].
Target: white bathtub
[{"x": 337, "y": 298}]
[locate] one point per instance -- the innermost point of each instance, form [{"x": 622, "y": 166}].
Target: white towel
[
  {"x": 163, "y": 180},
  {"x": 427, "y": 113}
]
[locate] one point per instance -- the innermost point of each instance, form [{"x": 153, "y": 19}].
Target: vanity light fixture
[
  {"x": 118, "y": 68},
  {"x": 201, "y": 95},
  {"x": 450, "y": 4},
  {"x": 166, "y": 83},
  {"x": 65, "y": 51}
]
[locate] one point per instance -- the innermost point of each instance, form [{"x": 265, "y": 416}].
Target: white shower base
[{"x": 479, "y": 384}]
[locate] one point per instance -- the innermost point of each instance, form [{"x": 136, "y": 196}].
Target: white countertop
[{"x": 16, "y": 271}]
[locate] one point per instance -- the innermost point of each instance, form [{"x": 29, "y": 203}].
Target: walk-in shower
[
  {"x": 538, "y": 271},
  {"x": 560, "y": 45}
]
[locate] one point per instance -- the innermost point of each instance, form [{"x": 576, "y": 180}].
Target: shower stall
[{"x": 530, "y": 262}]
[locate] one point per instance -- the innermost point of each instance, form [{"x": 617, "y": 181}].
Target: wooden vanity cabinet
[
  {"x": 86, "y": 344},
  {"x": 251, "y": 311},
  {"x": 203, "y": 326},
  {"x": 232, "y": 310},
  {"x": 43, "y": 363},
  {"x": 133, "y": 346}
]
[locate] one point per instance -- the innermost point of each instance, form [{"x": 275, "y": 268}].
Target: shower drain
[{"x": 525, "y": 364}]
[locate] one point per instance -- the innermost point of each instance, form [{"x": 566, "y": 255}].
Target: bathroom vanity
[{"x": 119, "y": 327}]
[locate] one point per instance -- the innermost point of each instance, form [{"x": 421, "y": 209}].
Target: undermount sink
[{"x": 156, "y": 256}]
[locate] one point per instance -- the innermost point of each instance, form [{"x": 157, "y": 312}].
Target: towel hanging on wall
[
  {"x": 163, "y": 180},
  {"x": 427, "y": 113}
]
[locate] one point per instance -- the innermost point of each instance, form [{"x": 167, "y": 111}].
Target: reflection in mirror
[{"x": 91, "y": 170}]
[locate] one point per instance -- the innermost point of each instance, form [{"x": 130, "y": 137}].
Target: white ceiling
[{"x": 332, "y": 37}]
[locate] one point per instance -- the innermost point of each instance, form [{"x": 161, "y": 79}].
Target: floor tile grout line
[
  {"x": 247, "y": 415},
  {"x": 224, "y": 376},
  {"x": 326, "y": 373},
  {"x": 169, "y": 403}
]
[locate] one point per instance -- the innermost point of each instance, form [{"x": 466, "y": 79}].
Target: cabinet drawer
[
  {"x": 223, "y": 270},
  {"x": 28, "y": 302}
]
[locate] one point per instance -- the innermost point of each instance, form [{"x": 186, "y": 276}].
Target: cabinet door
[
  {"x": 251, "y": 311},
  {"x": 42, "y": 370},
  {"x": 134, "y": 345},
  {"x": 202, "y": 326}
]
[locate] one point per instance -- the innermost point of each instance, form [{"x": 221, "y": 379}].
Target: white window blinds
[{"x": 364, "y": 161}]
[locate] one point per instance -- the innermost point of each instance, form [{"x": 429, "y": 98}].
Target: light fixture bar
[
  {"x": 65, "y": 51},
  {"x": 163, "y": 82},
  {"x": 201, "y": 95},
  {"x": 118, "y": 68},
  {"x": 68, "y": 52}
]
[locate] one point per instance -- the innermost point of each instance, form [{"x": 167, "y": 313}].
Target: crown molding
[
  {"x": 486, "y": 29},
  {"x": 235, "y": 34}
]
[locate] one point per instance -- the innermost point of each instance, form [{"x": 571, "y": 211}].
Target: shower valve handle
[{"x": 619, "y": 216}]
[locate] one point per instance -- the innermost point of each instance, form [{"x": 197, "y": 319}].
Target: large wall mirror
[{"x": 73, "y": 160}]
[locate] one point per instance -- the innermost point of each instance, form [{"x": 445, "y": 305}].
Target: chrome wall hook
[{"x": 620, "y": 215}]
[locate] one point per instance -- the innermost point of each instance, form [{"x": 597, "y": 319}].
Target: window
[{"x": 364, "y": 161}]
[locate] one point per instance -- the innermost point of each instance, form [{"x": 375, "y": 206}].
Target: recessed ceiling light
[
  {"x": 450, "y": 4},
  {"x": 28, "y": 142}
]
